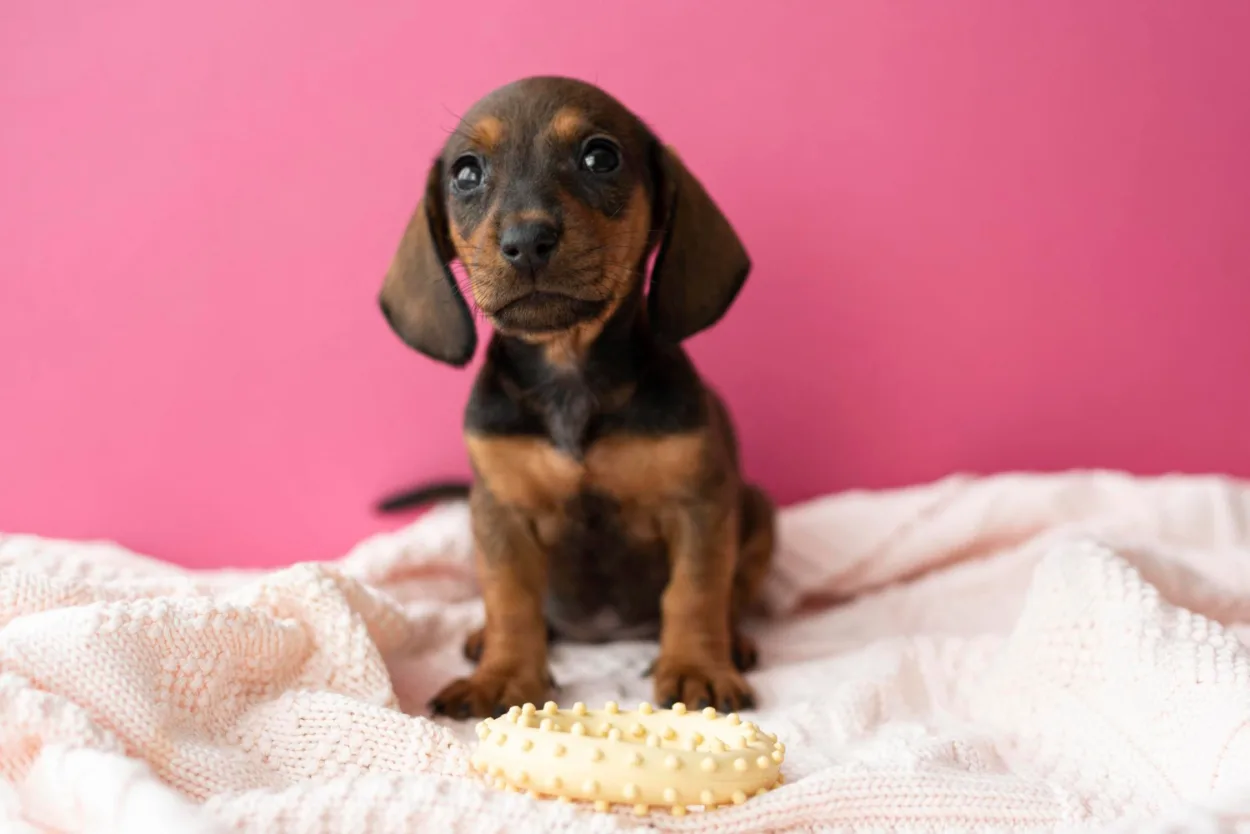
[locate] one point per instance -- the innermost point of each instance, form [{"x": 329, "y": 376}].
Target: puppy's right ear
[{"x": 419, "y": 297}]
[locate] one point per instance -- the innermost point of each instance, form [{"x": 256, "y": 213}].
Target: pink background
[{"x": 987, "y": 235}]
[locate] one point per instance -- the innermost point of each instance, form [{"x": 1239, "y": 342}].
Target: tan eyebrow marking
[
  {"x": 568, "y": 123},
  {"x": 488, "y": 131}
]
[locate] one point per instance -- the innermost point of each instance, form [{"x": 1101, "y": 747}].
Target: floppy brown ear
[
  {"x": 419, "y": 297},
  {"x": 701, "y": 264}
]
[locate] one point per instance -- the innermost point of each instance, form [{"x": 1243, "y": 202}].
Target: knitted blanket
[{"x": 1017, "y": 653}]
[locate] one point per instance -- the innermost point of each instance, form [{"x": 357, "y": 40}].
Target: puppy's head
[{"x": 552, "y": 195}]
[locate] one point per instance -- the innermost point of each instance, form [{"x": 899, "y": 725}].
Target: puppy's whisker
[
  {"x": 461, "y": 129},
  {"x": 456, "y": 131}
]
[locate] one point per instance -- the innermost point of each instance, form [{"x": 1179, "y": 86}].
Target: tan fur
[
  {"x": 531, "y": 215},
  {"x": 568, "y": 349},
  {"x": 531, "y": 474},
  {"x": 488, "y": 132},
  {"x": 648, "y": 470},
  {"x": 568, "y": 124},
  {"x": 526, "y": 473}
]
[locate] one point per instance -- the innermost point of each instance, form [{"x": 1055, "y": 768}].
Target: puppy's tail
[{"x": 435, "y": 493}]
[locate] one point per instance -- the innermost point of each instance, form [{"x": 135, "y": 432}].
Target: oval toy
[{"x": 674, "y": 758}]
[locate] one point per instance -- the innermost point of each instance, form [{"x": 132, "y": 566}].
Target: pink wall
[{"x": 987, "y": 235}]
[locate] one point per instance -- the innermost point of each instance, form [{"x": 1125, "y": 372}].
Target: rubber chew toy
[{"x": 642, "y": 758}]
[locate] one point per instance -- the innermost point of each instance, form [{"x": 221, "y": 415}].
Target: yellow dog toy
[{"x": 644, "y": 758}]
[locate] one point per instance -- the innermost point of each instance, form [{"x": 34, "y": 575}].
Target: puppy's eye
[
  {"x": 466, "y": 174},
  {"x": 600, "y": 156}
]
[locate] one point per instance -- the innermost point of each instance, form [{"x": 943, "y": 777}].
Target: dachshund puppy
[{"x": 607, "y": 501}]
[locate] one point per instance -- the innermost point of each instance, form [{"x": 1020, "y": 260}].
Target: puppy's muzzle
[{"x": 544, "y": 312}]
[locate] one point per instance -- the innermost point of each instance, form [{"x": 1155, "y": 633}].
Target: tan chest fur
[{"x": 531, "y": 474}]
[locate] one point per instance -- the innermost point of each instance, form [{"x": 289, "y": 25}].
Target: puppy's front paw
[
  {"x": 700, "y": 682},
  {"x": 490, "y": 691}
]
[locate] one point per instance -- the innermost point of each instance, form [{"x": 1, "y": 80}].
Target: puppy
[{"x": 607, "y": 501}]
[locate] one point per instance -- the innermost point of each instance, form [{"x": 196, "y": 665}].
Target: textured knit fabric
[{"x": 1019, "y": 653}]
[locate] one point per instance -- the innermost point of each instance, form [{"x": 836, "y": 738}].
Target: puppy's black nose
[{"x": 530, "y": 244}]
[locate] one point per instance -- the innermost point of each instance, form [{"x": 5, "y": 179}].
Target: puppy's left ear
[
  {"x": 701, "y": 264},
  {"x": 419, "y": 297}
]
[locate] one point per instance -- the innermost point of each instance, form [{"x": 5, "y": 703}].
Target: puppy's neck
[
  {"x": 570, "y": 378},
  {"x": 567, "y": 351}
]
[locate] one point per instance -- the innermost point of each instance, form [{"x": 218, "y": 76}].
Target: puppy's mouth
[{"x": 544, "y": 312}]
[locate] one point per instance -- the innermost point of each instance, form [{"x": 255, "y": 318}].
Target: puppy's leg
[
  {"x": 476, "y": 640},
  {"x": 755, "y": 556},
  {"x": 695, "y": 665},
  {"x": 512, "y": 570}
]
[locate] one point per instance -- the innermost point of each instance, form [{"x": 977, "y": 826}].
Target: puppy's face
[
  {"x": 548, "y": 186},
  {"x": 552, "y": 194}
]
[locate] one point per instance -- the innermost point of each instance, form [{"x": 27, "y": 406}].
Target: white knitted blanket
[{"x": 1016, "y": 653}]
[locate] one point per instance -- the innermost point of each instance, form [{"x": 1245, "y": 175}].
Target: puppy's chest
[
  {"x": 604, "y": 579},
  {"x": 635, "y": 472},
  {"x": 600, "y": 520}
]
